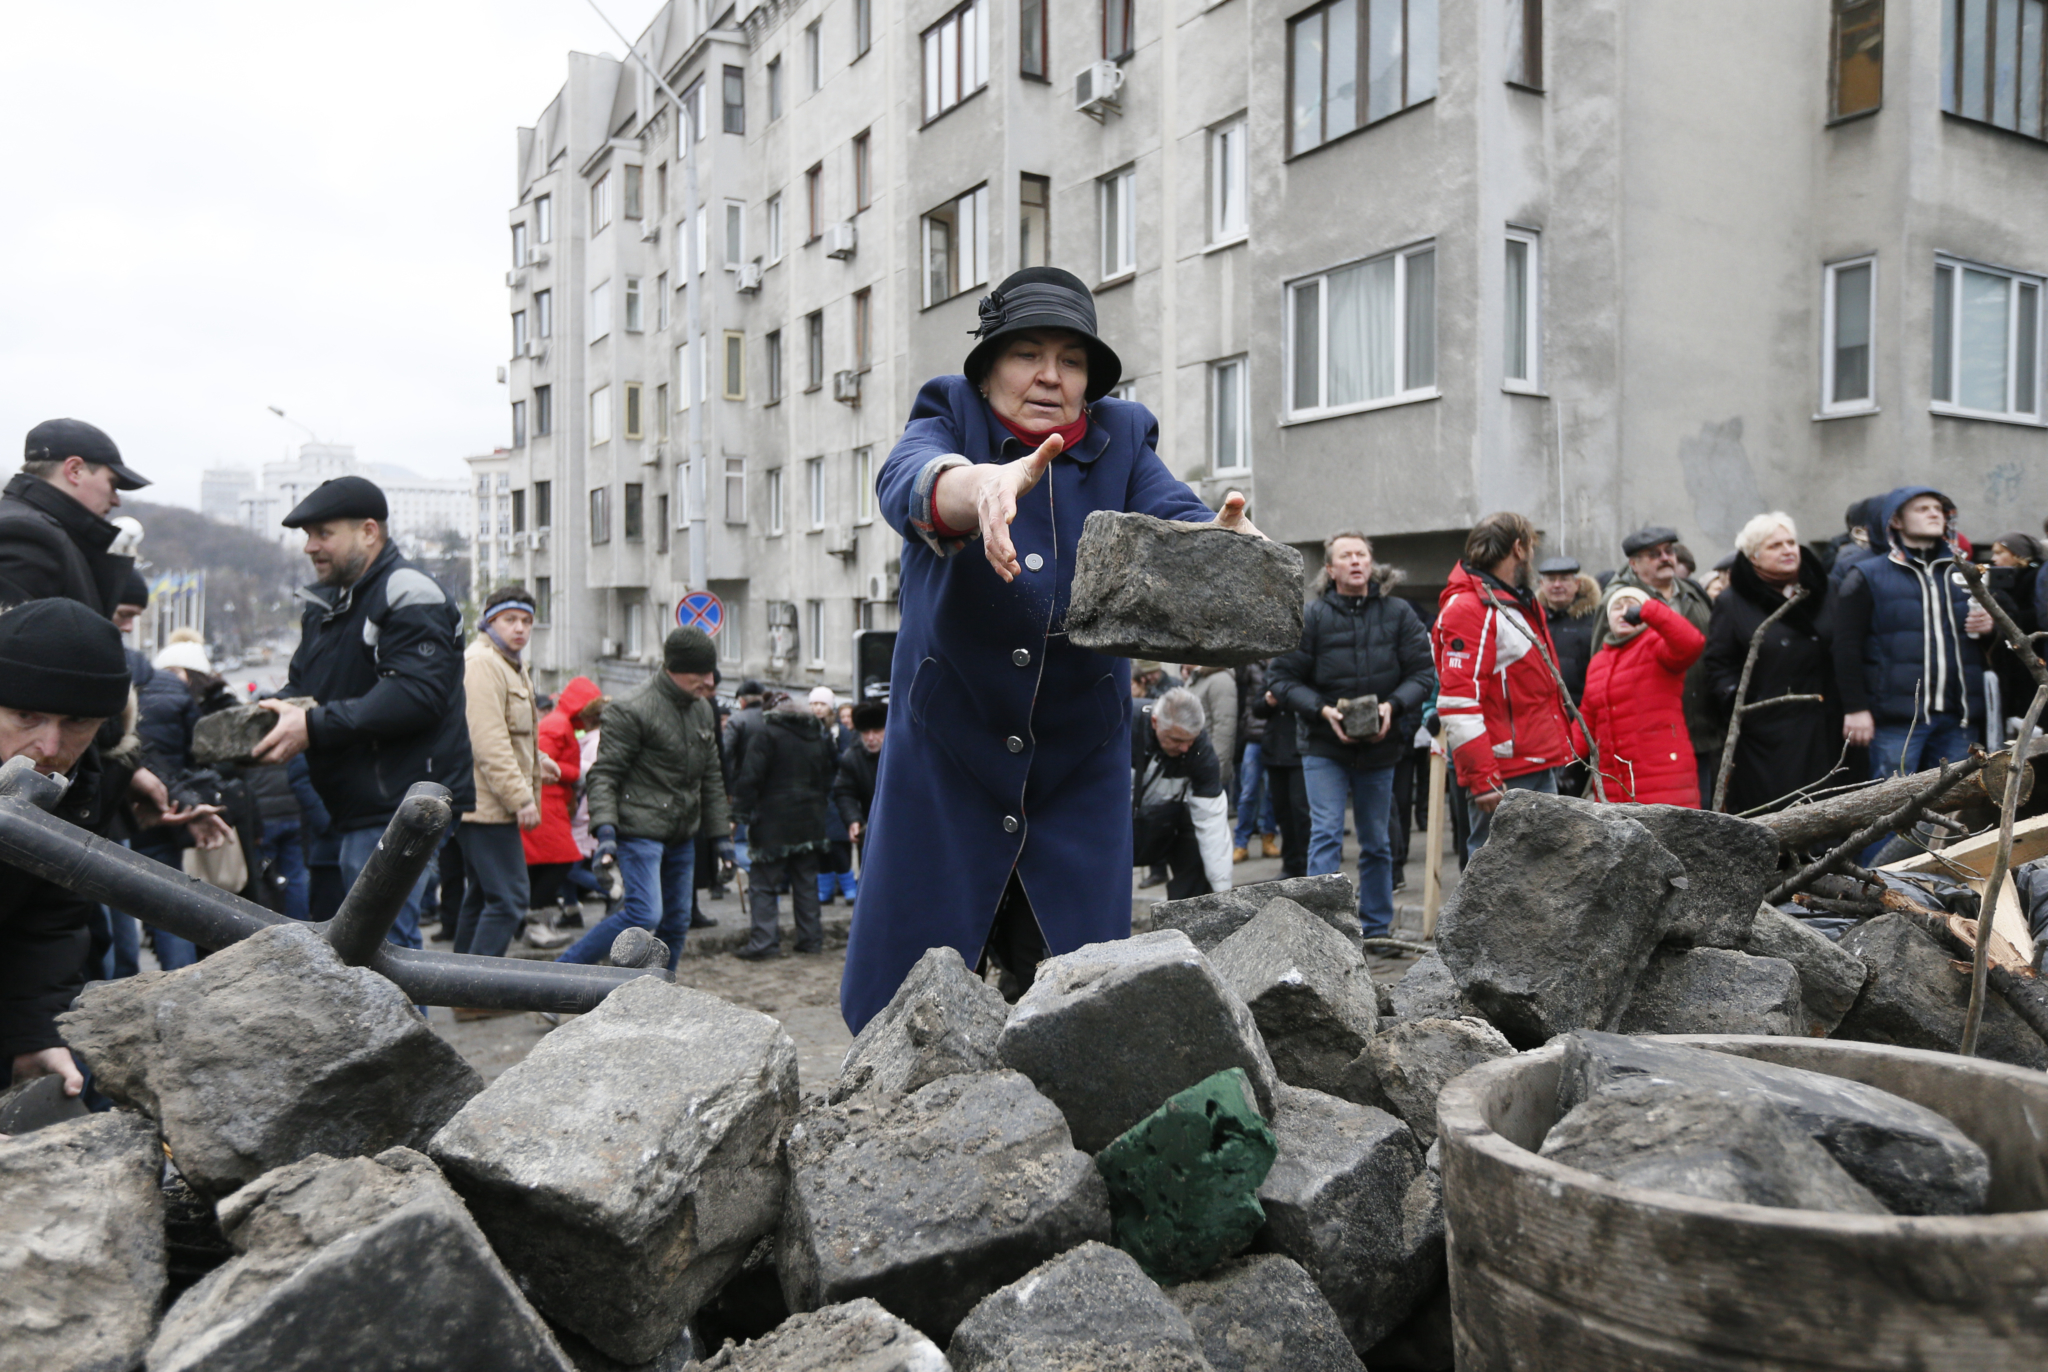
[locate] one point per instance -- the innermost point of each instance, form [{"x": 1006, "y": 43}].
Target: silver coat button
[
  {"x": 1015, "y": 744},
  {"x": 1033, "y": 561},
  {"x": 1009, "y": 824},
  {"x": 1022, "y": 657}
]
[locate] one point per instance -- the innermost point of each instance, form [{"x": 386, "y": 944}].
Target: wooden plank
[
  {"x": 1974, "y": 857},
  {"x": 1433, "y": 855}
]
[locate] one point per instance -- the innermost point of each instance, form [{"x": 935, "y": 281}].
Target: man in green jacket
[{"x": 656, "y": 786}]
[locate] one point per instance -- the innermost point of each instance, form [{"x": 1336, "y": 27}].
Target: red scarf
[{"x": 1070, "y": 434}]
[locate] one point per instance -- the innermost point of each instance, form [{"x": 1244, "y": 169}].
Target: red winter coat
[
  {"x": 553, "y": 841},
  {"x": 1500, "y": 707},
  {"x": 1635, "y": 706}
]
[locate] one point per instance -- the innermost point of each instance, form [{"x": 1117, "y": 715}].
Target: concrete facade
[{"x": 1677, "y": 177}]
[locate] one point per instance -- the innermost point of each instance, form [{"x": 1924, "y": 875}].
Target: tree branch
[
  {"x": 1901, "y": 818},
  {"x": 1756, "y": 643}
]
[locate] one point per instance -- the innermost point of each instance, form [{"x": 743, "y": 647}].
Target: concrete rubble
[
  {"x": 231, "y": 735},
  {"x": 1408, "y": 1066},
  {"x": 856, "y": 1336},
  {"x": 1714, "y": 991},
  {"x": 1208, "y": 920},
  {"x": 1180, "y": 592},
  {"x": 1830, "y": 976},
  {"x": 1263, "y": 1314},
  {"x": 269, "y": 1051},
  {"x": 942, "y": 1020},
  {"x": 1729, "y": 864},
  {"x": 1917, "y": 997},
  {"x": 1309, "y": 991},
  {"x": 1089, "y": 1310}
]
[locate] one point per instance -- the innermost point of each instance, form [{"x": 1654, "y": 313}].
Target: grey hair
[
  {"x": 1181, "y": 708},
  {"x": 1751, "y": 540},
  {"x": 1330, "y": 543}
]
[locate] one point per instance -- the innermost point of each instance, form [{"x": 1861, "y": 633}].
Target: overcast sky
[{"x": 216, "y": 207}]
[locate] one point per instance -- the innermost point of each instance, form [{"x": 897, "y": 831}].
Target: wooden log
[{"x": 1835, "y": 817}]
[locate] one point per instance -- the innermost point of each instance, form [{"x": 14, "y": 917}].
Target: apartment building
[
  {"x": 1382, "y": 263},
  {"x": 424, "y": 509}
]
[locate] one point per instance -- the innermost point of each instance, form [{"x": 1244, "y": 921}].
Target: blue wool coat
[{"x": 1007, "y": 747}]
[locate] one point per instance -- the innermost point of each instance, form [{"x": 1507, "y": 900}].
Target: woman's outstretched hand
[
  {"x": 1231, "y": 516},
  {"x": 985, "y": 497}
]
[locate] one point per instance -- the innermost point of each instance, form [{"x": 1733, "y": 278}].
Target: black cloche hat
[{"x": 1043, "y": 298}]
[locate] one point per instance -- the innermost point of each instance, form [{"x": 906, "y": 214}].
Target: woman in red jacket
[
  {"x": 1635, "y": 702},
  {"x": 551, "y": 849}
]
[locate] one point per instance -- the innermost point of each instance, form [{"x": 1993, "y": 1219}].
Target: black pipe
[
  {"x": 410, "y": 841},
  {"x": 565, "y": 988}
]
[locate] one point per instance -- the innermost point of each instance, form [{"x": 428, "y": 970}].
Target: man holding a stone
[{"x": 1001, "y": 822}]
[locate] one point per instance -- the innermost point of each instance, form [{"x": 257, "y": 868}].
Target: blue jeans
[
  {"x": 124, "y": 950},
  {"x": 1254, "y": 800},
  {"x": 356, "y": 847},
  {"x": 172, "y": 952},
  {"x": 1543, "y": 782},
  {"x": 842, "y": 882},
  {"x": 658, "y": 877},
  {"x": 281, "y": 847},
  {"x": 1371, "y": 793},
  {"x": 1919, "y": 744}
]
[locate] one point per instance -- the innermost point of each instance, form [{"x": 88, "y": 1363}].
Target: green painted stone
[{"x": 1184, "y": 1181}]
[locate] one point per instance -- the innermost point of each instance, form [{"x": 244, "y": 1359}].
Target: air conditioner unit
[
  {"x": 501, "y": 376},
  {"x": 607, "y": 648},
  {"x": 840, "y": 239},
  {"x": 840, "y": 541},
  {"x": 536, "y": 256},
  {"x": 877, "y": 588},
  {"x": 650, "y": 231},
  {"x": 515, "y": 278},
  {"x": 1095, "y": 89},
  {"x": 846, "y": 387},
  {"x": 537, "y": 349},
  {"x": 652, "y": 455},
  {"x": 748, "y": 277}
]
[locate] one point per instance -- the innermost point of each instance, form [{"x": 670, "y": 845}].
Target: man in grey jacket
[{"x": 657, "y": 785}]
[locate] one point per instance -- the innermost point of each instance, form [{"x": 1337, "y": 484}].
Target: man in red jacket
[{"x": 1503, "y": 718}]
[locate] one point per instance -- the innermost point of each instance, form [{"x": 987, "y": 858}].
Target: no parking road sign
[{"x": 701, "y": 610}]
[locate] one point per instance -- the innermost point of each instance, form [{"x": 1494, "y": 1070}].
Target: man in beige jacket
[{"x": 509, "y": 769}]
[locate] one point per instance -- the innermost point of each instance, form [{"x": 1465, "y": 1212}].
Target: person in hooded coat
[
  {"x": 1787, "y": 748},
  {"x": 1002, "y": 805},
  {"x": 551, "y": 848}
]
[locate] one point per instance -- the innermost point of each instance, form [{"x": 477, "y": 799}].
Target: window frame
[
  {"x": 635, "y": 418},
  {"x": 1240, "y": 367},
  {"x": 814, "y": 54},
  {"x": 600, "y": 414},
  {"x": 544, "y": 314},
  {"x": 520, "y": 338},
  {"x": 1227, "y": 161},
  {"x": 814, "y": 632},
  {"x": 814, "y": 202},
  {"x": 814, "y": 351},
  {"x": 1403, "y": 393},
  {"x": 975, "y": 239},
  {"x": 661, "y": 409},
  {"x": 1951, "y": 334},
  {"x": 1362, "y": 99},
  {"x": 519, "y": 245},
  {"x": 543, "y": 414},
  {"x": 775, "y": 88},
  {"x": 599, "y": 528},
  {"x": 735, "y": 239},
  {"x": 735, "y": 475},
  {"x": 632, "y": 191},
  {"x": 635, "y": 312},
  {"x": 1831, "y": 272},
  {"x": 1117, "y": 47},
  {"x": 1043, "y": 206},
  {"x": 735, "y": 368},
  {"x": 814, "y": 491},
  {"x": 1532, "y": 317},
  {"x": 774, "y": 213},
  {"x": 633, "y": 513},
  {"x": 863, "y": 28},
  {"x": 773, "y": 359},
  {"x": 1525, "y": 68},
  {"x": 863, "y": 171},
  {"x": 772, "y": 495},
  {"x": 734, "y": 110},
  {"x": 543, "y": 600},
  {"x": 661, "y": 299},
  {"x": 1837, "y": 36},
  {"x": 1122, "y": 186},
  {"x": 600, "y": 313},
  {"x": 1025, "y": 9},
  {"x": 519, "y": 423},
  {"x": 864, "y": 484},
  {"x": 969, "y": 21},
  {"x": 600, "y": 204},
  {"x": 543, "y": 505},
  {"x": 543, "y": 220},
  {"x": 864, "y": 329}
]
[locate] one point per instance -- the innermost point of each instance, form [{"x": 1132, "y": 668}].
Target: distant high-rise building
[
  {"x": 222, "y": 490},
  {"x": 423, "y": 508}
]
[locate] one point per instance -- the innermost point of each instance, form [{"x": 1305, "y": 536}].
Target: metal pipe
[
  {"x": 410, "y": 841},
  {"x": 565, "y": 988}
]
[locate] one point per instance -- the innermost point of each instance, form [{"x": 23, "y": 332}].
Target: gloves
[
  {"x": 723, "y": 850},
  {"x": 607, "y": 845}
]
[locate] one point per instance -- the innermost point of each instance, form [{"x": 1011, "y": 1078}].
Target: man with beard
[
  {"x": 1502, "y": 714},
  {"x": 380, "y": 651}
]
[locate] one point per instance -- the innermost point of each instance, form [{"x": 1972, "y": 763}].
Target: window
[
  {"x": 685, "y": 474},
  {"x": 601, "y": 203},
  {"x": 735, "y": 234},
  {"x": 1124, "y": 390},
  {"x": 814, "y": 631},
  {"x": 814, "y": 350},
  {"x": 600, "y": 416},
  {"x": 686, "y": 389},
  {"x": 814, "y": 55},
  {"x": 600, "y": 310},
  {"x": 1114, "y": 194},
  {"x": 519, "y": 423},
  {"x": 1848, "y": 294},
  {"x": 543, "y": 599},
  {"x": 693, "y": 109},
  {"x": 1343, "y": 74},
  {"x": 1525, "y": 43},
  {"x": 633, "y": 177},
  {"x": 863, "y": 27},
  {"x": 543, "y": 418},
  {"x": 661, "y": 301},
  {"x": 661, "y": 524},
  {"x": 1227, "y": 218},
  {"x": 814, "y": 202},
  {"x": 634, "y": 510},
  {"x": 1229, "y": 438},
  {"x": 1520, "y": 323},
  {"x": 735, "y": 490},
  {"x": 630, "y": 634},
  {"x": 1116, "y": 29},
  {"x": 863, "y": 172},
  {"x": 600, "y": 514},
  {"x": 703, "y": 237},
  {"x": 863, "y": 330},
  {"x": 633, "y": 410},
  {"x": 775, "y": 228},
  {"x": 661, "y": 410},
  {"x": 1363, "y": 334},
  {"x": 1034, "y": 220},
  {"x": 544, "y": 314},
  {"x": 774, "y": 88},
  {"x": 775, "y": 500},
  {"x": 1992, "y": 62},
  {"x": 519, "y": 333},
  {"x": 1031, "y": 38},
  {"x": 635, "y": 313},
  {"x": 544, "y": 219},
  {"x": 519, "y": 512},
  {"x": 730, "y": 646},
  {"x": 661, "y": 190},
  {"x": 735, "y": 365},
  {"x": 956, "y": 246},
  {"x": 863, "y": 485},
  {"x": 735, "y": 100},
  {"x": 814, "y": 486},
  {"x": 1987, "y": 342},
  {"x": 774, "y": 366},
  {"x": 519, "y": 245},
  {"x": 955, "y": 58}
]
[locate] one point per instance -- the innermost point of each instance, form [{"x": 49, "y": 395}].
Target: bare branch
[
  {"x": 1979, "y": 964},
  {"x": 1756, "y": 643},
  {"x": 1901, "y": 818}
]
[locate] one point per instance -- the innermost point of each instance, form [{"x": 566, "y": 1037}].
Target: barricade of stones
[{"x": 1207, "y": 1146}]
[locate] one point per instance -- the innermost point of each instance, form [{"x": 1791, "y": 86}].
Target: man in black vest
[{"x": 54, "y": 534}]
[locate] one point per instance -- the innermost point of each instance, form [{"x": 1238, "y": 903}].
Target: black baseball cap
[
  {"x": 53, "y": 440},
  {"x": 1644, "y": 539},
  {"x": 341, "y": 497},
  {"x": 1558, "y": 566}
]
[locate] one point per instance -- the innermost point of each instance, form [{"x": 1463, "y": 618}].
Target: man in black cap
[
  {"x": 1569, "y": 598},
  {"x": 54, "y": 534},
  {"x": 1653, "y": 566},
  {"x": 380, "y": 650},
  {"x": 62, "y": 674}
]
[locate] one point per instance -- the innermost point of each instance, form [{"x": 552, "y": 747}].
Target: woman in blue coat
[{"x": 1001, "y": 823}]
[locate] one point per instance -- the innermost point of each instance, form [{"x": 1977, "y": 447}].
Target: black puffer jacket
[
  {"x": 853, "y": 790},
  {"x": 1372, "y": 644},
  {"x": 783, "y": 791},
  {"x": 384, "y": 659},
  {"x": 50, "y": 545},
  {"x": 44, "y": 936},
  {"x": 1251, "y": 693}
]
